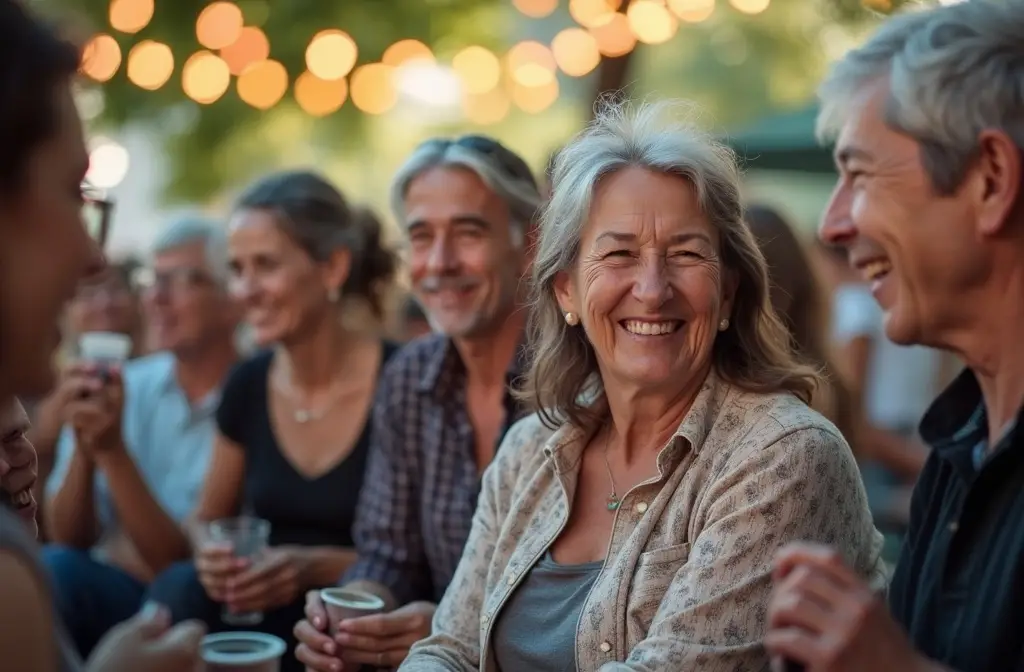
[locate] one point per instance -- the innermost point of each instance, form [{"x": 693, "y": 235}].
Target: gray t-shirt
[
  {"x": 536, "y": 630},
  {"x": 15, "y": 539}
]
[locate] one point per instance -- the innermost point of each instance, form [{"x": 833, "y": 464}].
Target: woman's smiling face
[{"x": 648, "y": 284}]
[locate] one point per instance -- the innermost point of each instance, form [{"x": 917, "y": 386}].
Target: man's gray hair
[
  {"x": 191, "y": 229},
  {"x": 952, "y": 72},
  {"x": 522, "y": 196}
]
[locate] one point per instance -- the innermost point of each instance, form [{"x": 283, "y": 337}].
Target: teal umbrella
[{"x": 783, "y": 142}]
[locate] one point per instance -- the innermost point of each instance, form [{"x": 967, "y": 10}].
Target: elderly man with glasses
[{"x": 467, "y": 207}]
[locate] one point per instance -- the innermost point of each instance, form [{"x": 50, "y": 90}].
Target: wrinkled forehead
[{"x": 645, "y": 207}]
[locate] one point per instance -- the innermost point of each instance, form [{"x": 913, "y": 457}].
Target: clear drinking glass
[{"x": 248, "y": 537}]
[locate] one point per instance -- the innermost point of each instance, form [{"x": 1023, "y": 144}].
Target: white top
[{"x": 901, "y": 380}]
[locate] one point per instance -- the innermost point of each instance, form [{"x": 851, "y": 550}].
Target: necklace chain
[
  {"x": 613, "y": 499},
  {"x": 305, "y": 414}
]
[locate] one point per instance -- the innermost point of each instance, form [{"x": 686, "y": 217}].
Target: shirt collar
[
  {"x": 955, "y": 422},
  {"x": 202, "y": 408},
  {"x": 565, "y": 447},
  {"x": 444, "y": 370}
]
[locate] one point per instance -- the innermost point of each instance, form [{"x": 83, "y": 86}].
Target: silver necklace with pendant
[
  {"x": 305, "y": 415},
  {"x": 613, "y": 499}
]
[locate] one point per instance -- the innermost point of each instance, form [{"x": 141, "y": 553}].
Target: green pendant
[{"x": 613, "y": 502}]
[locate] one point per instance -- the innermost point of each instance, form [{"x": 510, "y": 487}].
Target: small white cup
[
  {"x": 343, "y": 603},
  {"x": 105, "y": 348},
  {"x": 242, "y": 652}
]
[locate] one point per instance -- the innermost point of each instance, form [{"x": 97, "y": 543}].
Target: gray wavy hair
[
  {"x": 952, "y": 72},
  {"x": 563, "y": 382},
  {"x": 501, "y": 170}
]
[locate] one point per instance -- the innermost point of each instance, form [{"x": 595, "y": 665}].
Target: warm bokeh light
[
  {"x": 150, "y": 64},
  {"x": 251, "y": 47},
  {"x": 486, "y": 108},
  {"x": 589, "y": 13},
  {"x": 614, "y": 36},
  {"x": 575, "y": 52},
  {"x": 373, "y": 88},
  {"x": 692, "y": 11},
  {"x": 219, "y": 25},
  {"x": 331, "y": 54},
  {"x": 534, "y": 99},
  {"x": 130, "y": 16},
  {"x": 651, "y": 22},
  {"x": 101, "y": 58},
  {"x": 885, "y": 6},
  {"x": 108, "y": 164},
  {"x": 320, "y": 97},
  {"x": 205, "y": 77},
  {"x": 478, "y": 68},
  {"x": 530, "y": 63},
  {"x": 263, "y": 84},
  {"x": 405, "y": 51},
  {"x": 750, "y": 6},
  {"x": 536, "y": 9}
]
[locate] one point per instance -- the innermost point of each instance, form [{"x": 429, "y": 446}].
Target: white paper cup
[
  {"x": 242, "y": 652},
  {"x": 342, "y": 603},
  {"x": 104, "y": 347}
]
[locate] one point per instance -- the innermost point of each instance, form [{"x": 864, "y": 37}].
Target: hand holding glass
[{"x": 247, "y": 537}]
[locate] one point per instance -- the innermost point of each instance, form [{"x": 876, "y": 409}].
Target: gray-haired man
[
  {"x": 134, "y": 452},
  {"x": 929, "y": 124},
  {"x": 467, "y": 206}
]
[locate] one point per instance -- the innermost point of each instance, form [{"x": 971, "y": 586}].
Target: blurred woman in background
[
  {"x": 293, "y": 419},
  {"x": 802, "y": 304},
  {"x": 43, "y": 160}
]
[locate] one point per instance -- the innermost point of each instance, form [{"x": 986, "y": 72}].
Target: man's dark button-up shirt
[
  {"x": 422, "y": 481},
  {"x": 959, "y": 585}
]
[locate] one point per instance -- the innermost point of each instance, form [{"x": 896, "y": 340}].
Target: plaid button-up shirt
[{"x": 422, "y": 481}]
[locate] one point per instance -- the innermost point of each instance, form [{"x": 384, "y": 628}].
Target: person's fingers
[
  {"x": 366, "y": 644},
  {"x": 378, "y": 625},
  {"x": 316, "y": 613},
  {"x": 317, "y": 662},
  {"x": 819, "y": 585},
  {"x": 217, "y": 559},
  {"x": 794, "y": 644},
  {"x": 257, "y": 575},
  {"x": 388, "y": 658},
  {"x": 151, "y": 621},
  {"x": 257, "y": 597},
  {"x": 307, "y": 633},
  {"x": 185, "y": 637},
  {"x": 823, "y": 558},
  {"x": 796, "y": 608}
]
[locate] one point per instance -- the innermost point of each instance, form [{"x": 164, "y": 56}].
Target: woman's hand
[
  {"x": 148, "y": 642},
  {"x": 277, "y": 578},
  {"x": 216, "y": 564}
]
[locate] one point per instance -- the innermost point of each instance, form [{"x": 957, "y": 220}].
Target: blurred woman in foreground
[
  {"x": 631, "y": 522},
  {"x": 45, "y": 252}
]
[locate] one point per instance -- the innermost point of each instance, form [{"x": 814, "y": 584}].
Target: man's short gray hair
[
  {"x": 191, "y": 229},
  {"x": 952, "y": 72},
  {"x": 521, "y": 194}
]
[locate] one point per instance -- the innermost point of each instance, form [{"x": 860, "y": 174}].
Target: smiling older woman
[{"x": 630, "y": 524}]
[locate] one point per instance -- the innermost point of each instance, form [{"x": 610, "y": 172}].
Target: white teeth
[
  {"x": 650, "y": 328},
  {"x": 23, "y": 498},
  {"x": 875, "y": 269}
]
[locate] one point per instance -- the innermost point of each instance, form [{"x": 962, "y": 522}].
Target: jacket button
[
  {"x": 641, "y": 507},
  {"x": 605, "y": 647}
]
